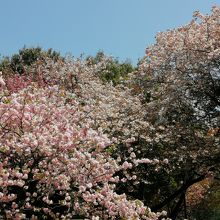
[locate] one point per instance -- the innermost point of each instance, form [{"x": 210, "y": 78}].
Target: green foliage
[
  {"x": 111, "y": 149},
  {"x": 26, "y": 57},
  {"x": 114, "y": 71},
  {"x": 5, "y": 63}
]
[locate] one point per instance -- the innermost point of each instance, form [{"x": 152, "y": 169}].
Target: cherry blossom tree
[
  {"x": 58, "y": 124},
  {"x": 178, "y": 82}
]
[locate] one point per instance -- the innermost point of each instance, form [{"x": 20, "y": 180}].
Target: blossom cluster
[{"x": 53, "y": 158}]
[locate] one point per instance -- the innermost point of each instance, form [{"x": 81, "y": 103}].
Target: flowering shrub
[{"x": 52, "y": 163}]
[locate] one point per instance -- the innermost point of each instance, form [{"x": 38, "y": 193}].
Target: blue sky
[{"x": 122, "y": 28}]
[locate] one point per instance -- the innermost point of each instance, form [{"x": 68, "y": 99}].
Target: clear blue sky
[{"x": 122, "y": 28}]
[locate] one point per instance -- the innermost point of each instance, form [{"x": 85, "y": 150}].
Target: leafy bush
[
  {"x": 114, "y": 70},
  {"x": 27, "y": 57}
]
